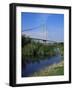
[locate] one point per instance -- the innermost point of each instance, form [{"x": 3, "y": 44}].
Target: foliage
[{"x": 32, "y": 49}]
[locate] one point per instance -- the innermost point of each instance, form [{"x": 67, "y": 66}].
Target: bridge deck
[{"x": 44, "y": 40}]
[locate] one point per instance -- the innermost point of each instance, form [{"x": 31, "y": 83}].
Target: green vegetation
[
  {"x": 53, "y": 70},
  {"x": 61, "y": 47},
  {"x": 32, "y": 49}
]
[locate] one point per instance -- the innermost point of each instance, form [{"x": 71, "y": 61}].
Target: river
[{"x": 32, "y": 67}]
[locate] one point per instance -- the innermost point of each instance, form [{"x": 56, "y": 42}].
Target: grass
[{"x": 54, "y": 70}]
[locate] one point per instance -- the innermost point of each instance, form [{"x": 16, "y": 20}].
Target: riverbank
[
  {"x": 55, "y": 69},
  {"x": 33, "y": 50}
]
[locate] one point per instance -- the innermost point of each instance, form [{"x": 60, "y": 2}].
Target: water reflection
[{"x": 34, "y": 64}]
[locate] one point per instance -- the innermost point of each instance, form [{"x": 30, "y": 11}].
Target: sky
[{"x": 43, "y": 26}]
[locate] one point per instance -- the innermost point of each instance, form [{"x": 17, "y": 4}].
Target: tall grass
[{"x": 32, "y": 49}]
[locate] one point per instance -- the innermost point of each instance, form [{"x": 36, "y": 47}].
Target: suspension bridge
[
  {"x": 39, "y": 34},
  {"x": 42, "y": 36}
]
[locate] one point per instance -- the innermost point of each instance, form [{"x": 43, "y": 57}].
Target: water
[{"x": 30, "y": 68}]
